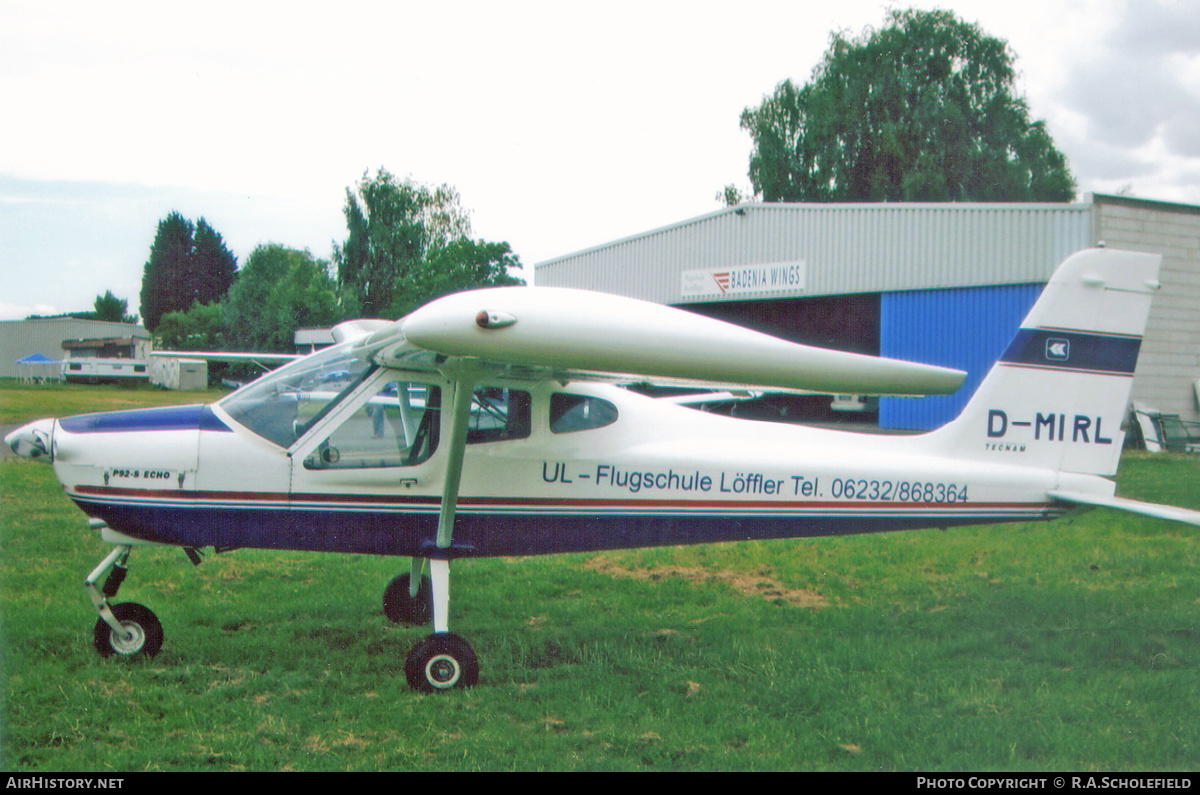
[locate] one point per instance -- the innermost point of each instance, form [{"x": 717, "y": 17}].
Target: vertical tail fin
[{"x": 1058, "y": 394}]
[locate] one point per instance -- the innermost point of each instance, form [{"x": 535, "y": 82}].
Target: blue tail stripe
[{"x": 1074, "y": 350}]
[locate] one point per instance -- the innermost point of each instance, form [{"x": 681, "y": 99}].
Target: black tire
[
  {"x": 441, "y": 662},
  {"x": 400, "y": 608},
  {"x": 138, "y": 619}
]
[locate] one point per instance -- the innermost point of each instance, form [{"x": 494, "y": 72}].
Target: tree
[
  {"x": 398, "y": 232},
  {"x": 199, "y": 328},
  {"x": 188, "y": 264},
  {"x": 920, "y": 110},
  {"x": 109, "y": 307},
  {"x": 460, "y": 264},
  {"x": 214, "y": 266},
  {"x": 105, "y": 307},
  {"x": 277, "y": 292},
  {"x": 732, "y": 196},
  {"x": 162, "y": 274}
]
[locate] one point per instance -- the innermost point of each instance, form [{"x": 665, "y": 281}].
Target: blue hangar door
[{"x": 967, "y": 328}]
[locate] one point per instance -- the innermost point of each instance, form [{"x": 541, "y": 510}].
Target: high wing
[
  {"x": 341, "y": 332},
  {"x": 230, "y": 356},
  {"x": 569, "y": 334}
]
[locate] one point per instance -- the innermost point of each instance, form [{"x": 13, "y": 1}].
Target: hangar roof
[{"x": 786, "y": 250}]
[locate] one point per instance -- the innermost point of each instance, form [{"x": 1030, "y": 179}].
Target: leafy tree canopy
[
  {"x": 460, "y": 264},
  {"x": 215, "y": 265},
  {"x": 189, "y": 263},
  {"x": 277, "y": 292},
  {"x": 921, "y": 109},
  {"x": 105, "y": 307},
  {"x": 109, "y": 307},
  {"x": 408, "y": 243},
  {"x": 197, "y": 329}
]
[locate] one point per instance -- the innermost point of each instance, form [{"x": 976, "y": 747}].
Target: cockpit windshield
[{"x": 283, "y": 404}]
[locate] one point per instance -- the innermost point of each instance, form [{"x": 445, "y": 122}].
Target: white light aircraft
[{"x": 493, "y": 422}]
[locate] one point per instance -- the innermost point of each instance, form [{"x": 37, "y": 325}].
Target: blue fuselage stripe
[
  {"x": 513, "y": 531},
  {"x": 168, "y": 418}
]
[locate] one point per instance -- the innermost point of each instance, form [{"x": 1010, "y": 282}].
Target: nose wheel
[
  {"x": 127, "y": 629},
  {"x": 141, "y": 632}
]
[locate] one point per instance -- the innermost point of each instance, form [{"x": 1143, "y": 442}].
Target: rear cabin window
[
  {"x": 571, "y": 413},
  {"x": 498, "y": 415}
]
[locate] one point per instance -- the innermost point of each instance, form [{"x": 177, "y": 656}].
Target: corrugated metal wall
[
  {"x": 848, "y": 248},
  {"x": 966, "y": 328},
  {"x": 20, "y": 338}
]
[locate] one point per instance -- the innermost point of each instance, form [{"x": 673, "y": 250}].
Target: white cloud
[{"x": 1130, "y": 102}]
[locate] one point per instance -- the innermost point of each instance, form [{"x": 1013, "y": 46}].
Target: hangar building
[
  {"x": 51, "y": 336},
  {"x": 946, "y": 284}
]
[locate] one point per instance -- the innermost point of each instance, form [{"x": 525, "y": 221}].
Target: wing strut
[
  {"x": 439, "y": 562},
  {"x": 460, "y": 417}
]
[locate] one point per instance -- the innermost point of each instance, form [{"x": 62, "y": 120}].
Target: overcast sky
[{"x": 562, "y": 125}]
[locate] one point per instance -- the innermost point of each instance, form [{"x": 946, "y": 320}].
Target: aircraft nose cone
[{"x": 32, "y": 440}]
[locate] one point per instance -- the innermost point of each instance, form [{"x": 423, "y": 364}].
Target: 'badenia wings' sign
[{"x": 772, "y": 277}]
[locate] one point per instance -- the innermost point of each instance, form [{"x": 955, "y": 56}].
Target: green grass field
[{"x": 1071, "y": 645}]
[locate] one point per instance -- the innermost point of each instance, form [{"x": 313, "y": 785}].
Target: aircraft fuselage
[{"x": 658, "y": 474}]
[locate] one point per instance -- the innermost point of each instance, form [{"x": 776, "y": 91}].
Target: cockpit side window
[
  {"x": 398, "y": 426},
  {"x": 571, "y": 413},
  {"x": 283, "y": 404}
]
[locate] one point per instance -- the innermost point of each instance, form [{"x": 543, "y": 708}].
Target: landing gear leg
[
  {"x": 126, "y": 629},
  {"x": 443, "y": 660}
]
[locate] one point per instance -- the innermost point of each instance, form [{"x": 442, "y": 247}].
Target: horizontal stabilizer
[
  {"x": 585, "y": 331},
  {"x": 1169, "y": 512}
]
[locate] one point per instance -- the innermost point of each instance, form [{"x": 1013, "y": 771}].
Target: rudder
[{"x": 1057, "y": 396}]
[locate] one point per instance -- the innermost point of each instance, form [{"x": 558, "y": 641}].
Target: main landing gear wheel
[
  {"x": 144, "y": 632},
  {"x": 401, "y": 608},
  {"x": 442, "y": 661}
]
